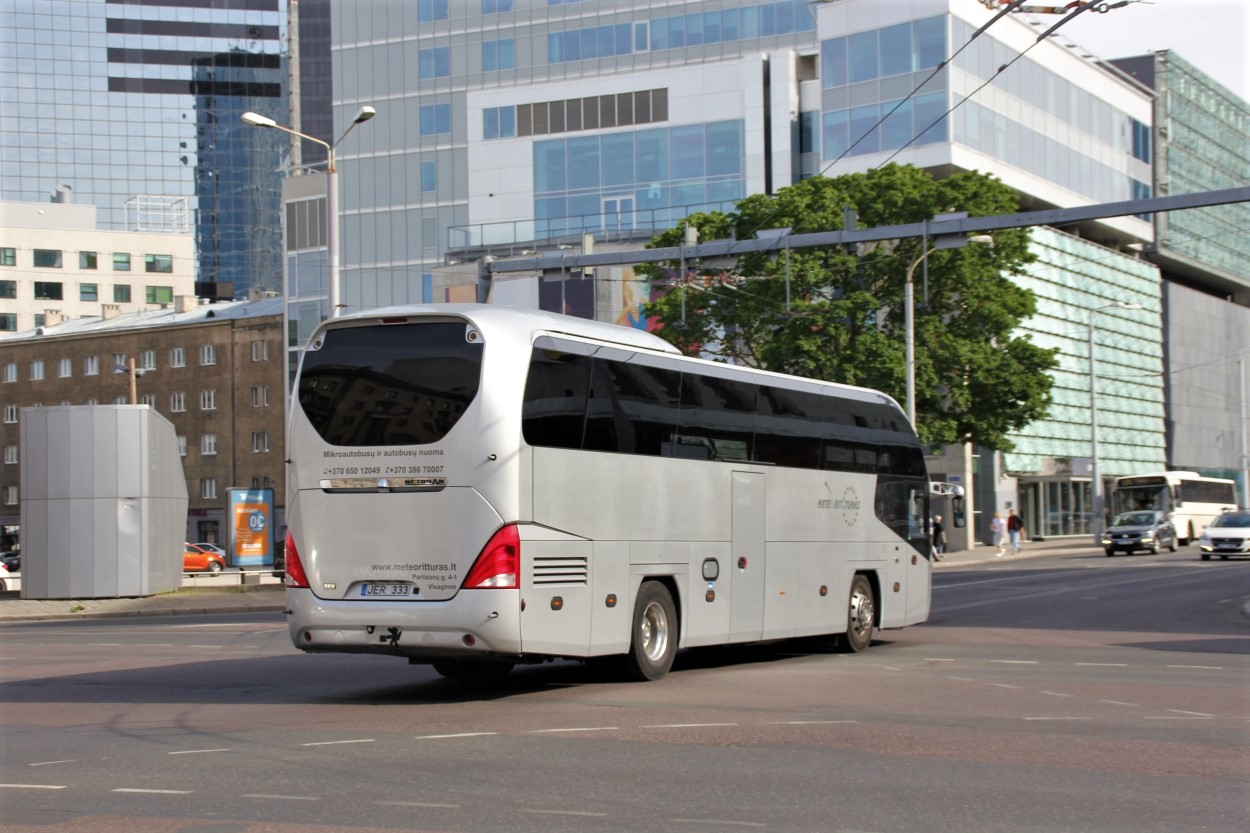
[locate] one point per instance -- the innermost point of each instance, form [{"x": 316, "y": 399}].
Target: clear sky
[{"x": 1213, "y": 35}]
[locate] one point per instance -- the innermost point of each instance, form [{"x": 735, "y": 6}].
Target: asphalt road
[{"x": 1068, "y": 694}]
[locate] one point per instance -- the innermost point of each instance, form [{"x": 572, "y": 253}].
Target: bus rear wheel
[
  {"x": 861, "y": 617},
  {"x": 654, "y": 642}
]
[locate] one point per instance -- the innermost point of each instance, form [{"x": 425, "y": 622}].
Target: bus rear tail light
[
  {"x": 498, "y": 566},
  {"x": 295, "y": 575}
]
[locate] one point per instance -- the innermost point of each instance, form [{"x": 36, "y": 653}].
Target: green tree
[{"x": 977, "y": 377}]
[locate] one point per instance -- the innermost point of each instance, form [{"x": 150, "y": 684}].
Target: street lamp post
[
  {"x": 332, "y": 191},
  {"x": 1096, "y": 510},
  {"x": 910, "y": 312}
]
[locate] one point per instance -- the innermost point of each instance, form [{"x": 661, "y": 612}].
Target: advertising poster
[{"x": 251, "y": 533}]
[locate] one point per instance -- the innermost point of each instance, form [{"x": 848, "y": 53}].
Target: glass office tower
[{"x": 135, "y": 106}]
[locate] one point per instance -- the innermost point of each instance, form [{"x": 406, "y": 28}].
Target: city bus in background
[
  {"x": 1192, "y": 501},
  {"x": 476, "y": 486}
]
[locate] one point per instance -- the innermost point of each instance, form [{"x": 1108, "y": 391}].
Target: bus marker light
[
  {"x": 469, "y": 640},
  {"x": 557, "y": 602},
  {"x": 824, "y": 590},
  {"x": 742, "y": 563},
  {"x": 610, "y": 601},
  {"x": 710, "y": 595},
  {"x": 897, "y": 587}
]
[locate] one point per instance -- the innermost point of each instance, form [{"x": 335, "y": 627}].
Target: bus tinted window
[
  {"x": 633, "y": 408},
  {"x": 400, "y": 384},
  {"x": 1206, "y": 491},
  {"x": 786, "y": 428},
  {"x": 718, "y": 414},
  {"x": 554, "y": 409}
]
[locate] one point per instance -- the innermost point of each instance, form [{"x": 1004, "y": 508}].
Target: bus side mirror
[{"x": 957, "y": 512}]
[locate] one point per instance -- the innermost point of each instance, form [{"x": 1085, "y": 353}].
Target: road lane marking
[
  {"x": 1198, "y": 667},
  {"x": 32, "y": 786},
  {"x": 338, "y": 742},
  {"x": 50, "y": 763},
  {"x": 937, "y": 659},
  {"x": 1005, "y": 685},
  {"x": 1102, "y": 664},
  {"x": 682, "y": 725},
  {"x": 419, "y": 804},
  {"x": 720, "y": 821},
  {"x": 458, "y": 735},
  {"x": 199, "y": 751},
  {"x": 808, "y": 722},
  {"x": 204, "y": 646},
  {"x": 962, "y": 679},
  {"x": 1191, "y": 714},
  {"x": 1013, "y": 662},
  {"x": 1118, "y": 703},
  {"x": 1058, "y": 694},
  {"x": 151, "y": 792},
  {"x": 1056, "y": 718},
  {"x": 282, "y": 797},
  {"x": 564, "y": 813},
  {"x": 576, "y": 729},
  {"x": 1177, "y": 717}
]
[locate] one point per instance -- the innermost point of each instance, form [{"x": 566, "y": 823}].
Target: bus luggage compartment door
[{"x": 747, "y": 557}]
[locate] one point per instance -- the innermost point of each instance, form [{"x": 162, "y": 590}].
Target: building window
[
  {"x": 91, "y": 365},
  {"x": 10, "y": 455},
  {"x": 121, "y": 293},
  {"x": 91, "y": 401},
  {"x": 47, "y": 259},
  {"x": 158, "y": 263},
  {"x": 496, "y": 6},
  {"x": 208, "y": 445},
  {"x": 88, "y": 292},
  {"x": 8, "y": 289},
  {"x": 148, "y": 399},
  {"x": 498, "y": 122},
  {"x": 260, "y": 397},
  {"x": 430, "y": 10},
  {"x": 435, "y": 119},
  {"x": 10, "y": 414},
  {"x": 10, "y": 496},
  {"x": 177, "y": 402},
  {"x": 260, "y": 442},
  {"x": 208, "y": 355},
  {"x": 40, "y": 318},
  {"x": 119, "y": 363},
  {"x": 434, "y": 63},
  {"x": 121, "y": 262},
  {"x": 182, "y": 445},
  {"x": 498, "y": 54},
  {"x": 8, "y": 322},
  {"x": 49, "y": 291},
  {"x": 260, "y": 351},
  {"x": 120, "y": 400},
  {"x": 87, "y": 260},
  {"x": 208, "y": 400},
  {"x": 429, "y": 176},
  {"x": 8, "y": 256},
  {"x": 36, "y": 370},
  {"x": 147, "y": 360},
  {"x": 10, "y": 371},
  {"x": 177, "y": 357},
  {"x": 208, "y": 488},
  {"x": 65, "y": 368},
  {"x": 159, "y": 294}
]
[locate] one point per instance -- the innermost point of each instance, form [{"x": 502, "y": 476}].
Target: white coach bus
[{"x": 475, "y": 486}]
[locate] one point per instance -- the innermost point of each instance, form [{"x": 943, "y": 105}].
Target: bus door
[{"x": 746, "y": 557}]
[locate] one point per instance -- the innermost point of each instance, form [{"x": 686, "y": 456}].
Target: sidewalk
[{"x": 195, "y": 598}]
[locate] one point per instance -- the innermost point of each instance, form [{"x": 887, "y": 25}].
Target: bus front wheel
[
  {"x": 654, "y": 641},
  {"x": 861, "y": 617}
]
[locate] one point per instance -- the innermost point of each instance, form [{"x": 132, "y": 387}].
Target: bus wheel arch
[
  {"x": 863, "y": 614},
  {"x": 654, "y": 630}
]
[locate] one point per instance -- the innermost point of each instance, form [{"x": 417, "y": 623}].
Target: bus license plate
[{"x": 375, "y": 589}]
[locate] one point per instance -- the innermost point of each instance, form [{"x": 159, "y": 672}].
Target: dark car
[
  {"x": 1143, "y": 530},
  {"x": 11, "y": 560}
]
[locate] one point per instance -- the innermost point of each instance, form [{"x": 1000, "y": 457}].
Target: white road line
[
  {"x": 460, "y": 735},
  {"x": 151, "y": 792},
  {"x": 199, "y": 751},
  {"x": 282, "y": 797},
  {"x": 1012, "y": 662},
  {"x": 1117, "y": 703},
  {"x": 564, "y": 813},
  {"x": 576, "y": 729},
  {"x": 937, "y": 659},
  {"x": 1102, "y": 664},
  {"x": 719, "y": 821},
  {"x": 32, "y": 787},
  {"x": 50, "y": 763},
  {"x": 683, "y": 725},
  {"x": 204, "y": 646},
  {"x": 1056, "y": 718},
  {"x": 1199, "y": 667},
  {"x": 890, "y": 668},
  {"x": 419, "y": 804},
  {"x": 338, "y": 742},
  {"x": 1191, "y": 714},
  {"x": 962, "y": 679},
  {"x": 808, "y": 722},
  {"x": 1004, "y": 685},
  {"x": 1058, "y": 694},
  {"x": 1176, "y": 717}
]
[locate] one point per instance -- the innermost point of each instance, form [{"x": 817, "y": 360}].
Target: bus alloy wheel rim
[{"x": 654, "y": 631}]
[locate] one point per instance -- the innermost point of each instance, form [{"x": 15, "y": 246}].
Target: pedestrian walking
[
  {"x": 998, "y": 532},
  {"x": 1015, "y": 529},
  {"x": 938, "y": 534}
]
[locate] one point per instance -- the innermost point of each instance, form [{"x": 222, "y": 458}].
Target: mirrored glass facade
[{"x": 111, "y": 102}]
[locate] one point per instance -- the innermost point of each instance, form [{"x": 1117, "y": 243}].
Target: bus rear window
[{"x": 395, "y": 385}]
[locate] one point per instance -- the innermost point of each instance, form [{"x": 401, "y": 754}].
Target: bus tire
[
  {"x": 654, "y": 642},
  {"x": 474, "y": 671},
  {"x": 860, "y": 617}
]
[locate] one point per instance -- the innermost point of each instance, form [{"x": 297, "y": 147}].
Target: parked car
[
  {"x": 196, "y": 559},
  {"x": 1142, "y": 530},
  {"x": 4, "y": 576},
  {"x": 217, "y": 548},
  {"x": 12, "y": 560},
  {"x": 1229, "y": 534}
]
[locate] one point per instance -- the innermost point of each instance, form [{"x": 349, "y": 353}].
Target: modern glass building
[{"x": 135, "y": 105}]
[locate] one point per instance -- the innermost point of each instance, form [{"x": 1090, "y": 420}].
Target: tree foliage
[{"x": 977, "y": 377}]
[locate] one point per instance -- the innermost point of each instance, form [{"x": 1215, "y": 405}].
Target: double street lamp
[
  {"x": 332, "y": 191},
  {"x": 953, "y": 242},
  {"x": 1096, "y": 510}
]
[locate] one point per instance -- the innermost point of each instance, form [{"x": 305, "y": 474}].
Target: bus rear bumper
[{"x": 475, "y": 623}]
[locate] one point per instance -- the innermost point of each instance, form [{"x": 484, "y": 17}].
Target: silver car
[{"x": 1141, "y": 530}]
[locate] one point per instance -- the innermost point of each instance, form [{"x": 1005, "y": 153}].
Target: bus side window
[{"x": 554, "y": 407}]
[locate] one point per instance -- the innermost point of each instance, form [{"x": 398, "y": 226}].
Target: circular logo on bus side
[{"x": 848, "y": 505}]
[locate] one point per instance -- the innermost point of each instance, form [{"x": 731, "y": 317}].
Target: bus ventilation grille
[{"x": 560, "y": 570}]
